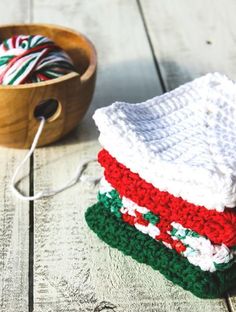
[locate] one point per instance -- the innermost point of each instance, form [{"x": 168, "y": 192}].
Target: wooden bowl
[{"x": 64, "y": 101}]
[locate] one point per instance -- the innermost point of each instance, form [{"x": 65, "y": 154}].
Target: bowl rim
[{"x": 86, "y": 75}]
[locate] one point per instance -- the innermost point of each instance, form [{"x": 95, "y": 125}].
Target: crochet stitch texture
[
  {"x": 145, "y": 249},
  {"x": 196, "y": 248},
  {"x": 168, "y": 195},
  {"x": 219, "y": 227},
  {"x": 182, "y": 142}
]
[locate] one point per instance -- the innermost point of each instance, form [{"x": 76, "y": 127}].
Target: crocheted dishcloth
[
  {"x": 183, "y": 141},
  {"x": 196, "y": 248},
  {"x": 218, "y": 227},
  {"x": 145, "y": 249}
]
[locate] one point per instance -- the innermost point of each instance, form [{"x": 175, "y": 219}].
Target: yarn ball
[{"x": 32, "y": 58}]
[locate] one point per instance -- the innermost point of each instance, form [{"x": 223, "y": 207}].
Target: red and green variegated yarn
[
  {"x": 32, "y": 58},
  {"x": 144, "y": 249},
  {"x": 219, "y": 227},
  {"x": 196, "y": 248}
]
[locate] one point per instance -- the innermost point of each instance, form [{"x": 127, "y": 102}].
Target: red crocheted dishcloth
[{"x": 219, "y": 227}]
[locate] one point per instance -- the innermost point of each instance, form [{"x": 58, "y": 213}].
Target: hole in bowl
[{"x": 50, "y": 109}]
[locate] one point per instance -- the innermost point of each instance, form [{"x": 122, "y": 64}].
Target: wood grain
[
  {"x": 16, "y": 11},
  {"x": 14, "y": 228},
  {"x": 14, "y": 215},
  {"x": 232, "y": 300},
  {"x": 193, "y": 39},
  {"x": 74, "y": 271}
]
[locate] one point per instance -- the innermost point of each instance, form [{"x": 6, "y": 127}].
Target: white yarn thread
[{"x": 47, "y": 193}]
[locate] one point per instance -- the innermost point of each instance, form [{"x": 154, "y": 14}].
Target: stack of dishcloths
[{"x": 168, "y": 194}]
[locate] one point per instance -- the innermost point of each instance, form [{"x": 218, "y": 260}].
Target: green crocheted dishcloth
[{"x": 145, "y": 249}]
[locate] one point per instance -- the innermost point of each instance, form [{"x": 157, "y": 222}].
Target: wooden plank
[
  {"x": 14, "y": 234},
  {"x": 13, "y": 12},
  {"x": 74, "y": 271},
  {"x": 14, "y": 214},
  {"x": 232, "y": 300},
  {"x": 193, "y": 39}
]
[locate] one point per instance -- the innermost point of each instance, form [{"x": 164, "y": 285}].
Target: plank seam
[
  {"x": 31, "y": 209},
  {"x": 155, "y": 60},
  {"x": 228, "y": 303},
  {"x": 31, "y": 239}
]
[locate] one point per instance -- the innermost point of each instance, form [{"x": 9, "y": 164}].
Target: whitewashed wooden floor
[{"x": 49, "y": 260}]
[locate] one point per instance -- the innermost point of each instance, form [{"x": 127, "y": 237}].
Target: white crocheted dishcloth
[{"x": 183, "y": 141}]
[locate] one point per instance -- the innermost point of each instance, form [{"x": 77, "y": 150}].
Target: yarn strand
[
  {"x": 28, "y": 59},
  {"x": 78, "y": 176}
]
